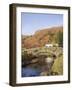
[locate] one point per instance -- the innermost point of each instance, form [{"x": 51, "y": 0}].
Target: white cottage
[
  {"x": 51, "y": 45},
  {"x": 48, "y": 45}
]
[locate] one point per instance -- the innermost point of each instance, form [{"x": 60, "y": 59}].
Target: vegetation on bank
[{"x": 36, "y": 58}]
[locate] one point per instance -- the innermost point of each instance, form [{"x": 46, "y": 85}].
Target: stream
[
  {"x": 45, "y": 66},
  {"x": 29, "y": 72}
]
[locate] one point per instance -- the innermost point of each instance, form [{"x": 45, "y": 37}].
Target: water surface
[{"x": 29, "y": 72}]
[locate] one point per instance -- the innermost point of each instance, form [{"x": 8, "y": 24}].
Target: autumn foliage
[{"x": 42, "y": 37}]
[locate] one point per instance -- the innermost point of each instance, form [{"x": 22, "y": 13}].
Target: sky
[{"x": 32, "y": 22}]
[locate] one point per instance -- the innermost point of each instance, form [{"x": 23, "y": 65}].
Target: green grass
[{"x": 58, "y": 65}]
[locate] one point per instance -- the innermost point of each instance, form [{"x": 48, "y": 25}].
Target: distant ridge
[{"x": 41, "y": 37}]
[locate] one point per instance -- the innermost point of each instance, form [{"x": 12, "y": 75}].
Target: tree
[{"x": 60, "y": 38}]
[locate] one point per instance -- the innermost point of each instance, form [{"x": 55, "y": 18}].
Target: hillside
[{"x": 41, "y": 37}]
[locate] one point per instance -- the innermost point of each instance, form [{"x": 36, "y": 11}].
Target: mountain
[{"x": 41, "y": 37}]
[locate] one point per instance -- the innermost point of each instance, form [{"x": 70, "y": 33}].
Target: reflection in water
[
  {"x": 43, "y": 67},
  {"x": 29, "y": 72}
]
